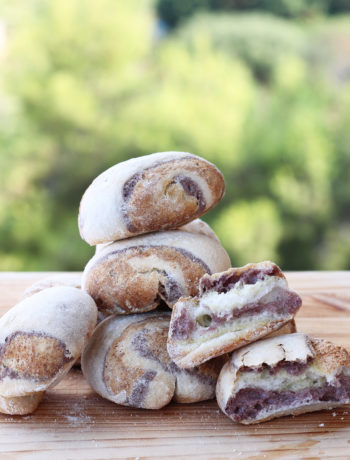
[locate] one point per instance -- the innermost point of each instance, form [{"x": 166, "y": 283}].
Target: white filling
[
  {"x": 282, "y": 380},
  {"x": 240, "y": 295},
  {"x": 240, "y": 326},
  {"x": 288, "y": 347}
]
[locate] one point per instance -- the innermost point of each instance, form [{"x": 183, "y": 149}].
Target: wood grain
[{"x": 73, "y": 422}]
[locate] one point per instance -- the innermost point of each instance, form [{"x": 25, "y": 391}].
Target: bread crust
[
  {"x": 137, "y": 274},
  {"x": 191, "y": 343},
  {"x": 64, "y": 279},
  {"x": 155, "y": 192},
  {"x": 21, "y": 405},
  {"x": 197, "y": 226},
  {"x": 288, "y": 328},
  {"x": 126, "y": 362},
  {"x": 329, "y": 359},
  {"x": 41, "y": 337}
]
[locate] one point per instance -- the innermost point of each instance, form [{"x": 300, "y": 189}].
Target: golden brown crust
[
  {"x": 33, "y": 356},
  {"x": 161, "y": 191},
  {"x": 329, "y": 357},
  {"x": 135, "y": 290},
  {"x": 126, "y": 361},
  {"x": 177, "y": 204},
  {"x": 41, "y": 337},
  {"x": 119, "y": 374},
  {"x": 138, "y": 274}
]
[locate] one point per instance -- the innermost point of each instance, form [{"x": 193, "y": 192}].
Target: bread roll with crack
[
  {"x": 137, "y": 274},
  {"x": 285, "y": 375},
  {"x": 126, "y": 362},
  {"x": 155, "y": 192},
  {"x": 40, "y": 339},
  {"x": 62, "y": 279},
  {"x": 233, "y": 308},
  {"x": 197, "y": 226}
]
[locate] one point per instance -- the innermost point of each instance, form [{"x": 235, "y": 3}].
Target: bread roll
[
  {"x": 137, "y": 274},
  {"x": 155, "y": 192},
  {"x": 197, "y": 226},
  {"x": 40, "y": 339},
  {"x": 62, "y": 279},
  {"x": 233, "y": 308},
  {"x": 126, "y": 362},
  {"x": 289, "y": 374}
]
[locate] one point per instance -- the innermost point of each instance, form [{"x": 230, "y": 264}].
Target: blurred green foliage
[
  {"x": 257, "y": 39},
  {"x": 86, "y": 84},
  {"x": 173, "y": 12}
]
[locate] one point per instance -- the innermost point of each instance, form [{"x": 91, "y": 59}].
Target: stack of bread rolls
[
  {"x": 153, "y": 253},
  {"x": 152, "y": 249},
  {"x": 171, "y": 309}
]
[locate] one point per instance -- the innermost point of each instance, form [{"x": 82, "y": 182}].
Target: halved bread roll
[
  {"x": 126, "y": 362},
  {"x": 155, "y": 192},
  {"x": 289, "y": 374},
  {"x": 137, "y": 274},
  {"x": 233, "y": 308}
]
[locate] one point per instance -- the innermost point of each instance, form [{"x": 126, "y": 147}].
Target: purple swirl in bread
[
  {"x": 140, "y": 273},
  {"x": 233, "y": 308},
  {"x": 285, "y": 375},
  {"x": 126, "y": 361},
  {"x": 155, "y": 192}
]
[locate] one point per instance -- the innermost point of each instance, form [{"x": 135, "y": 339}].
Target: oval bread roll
[
  {"x": 126, "y": 362},
  {"x": 137, "y": 274},
  {"x": 63, "y": 279},
  {"x": 155, "y": 192},
  {"x": 41, "y": 337}
]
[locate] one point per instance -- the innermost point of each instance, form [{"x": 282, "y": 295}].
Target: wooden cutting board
[{"x": 73, "y": 422}]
